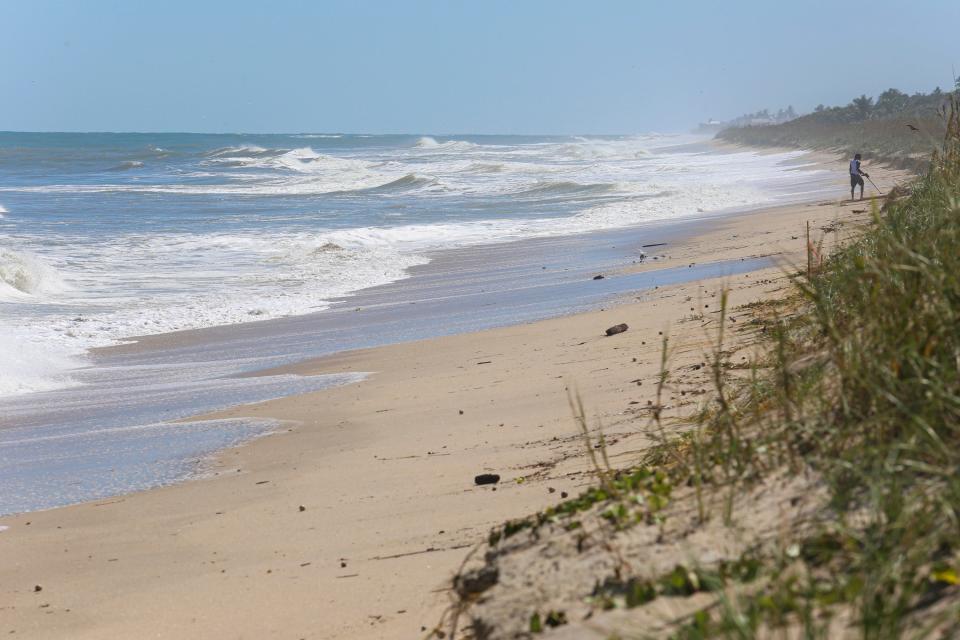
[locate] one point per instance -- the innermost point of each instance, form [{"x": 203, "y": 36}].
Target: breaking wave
[
  {"x": 26, "y": 275},
  {"x": 566, "y": 188},
  {"x": 311, "y": 224},
  {"x": 245, "y": 150},
  {"x": 409, "y": 182},
  {"x": 431, "y": 144}
]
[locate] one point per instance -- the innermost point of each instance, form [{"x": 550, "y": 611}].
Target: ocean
[{"x": 105, "y": 237}]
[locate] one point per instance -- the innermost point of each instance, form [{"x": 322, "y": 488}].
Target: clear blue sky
[{"x": 453, "y": 66}]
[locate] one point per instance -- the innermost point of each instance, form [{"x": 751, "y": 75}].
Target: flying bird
[{"x": 912, "y": 128}]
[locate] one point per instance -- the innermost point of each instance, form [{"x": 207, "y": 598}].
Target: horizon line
[{"x": 331, "y": 133}]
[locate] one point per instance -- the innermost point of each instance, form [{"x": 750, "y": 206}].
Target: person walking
[{"x": 856, "y": 176}]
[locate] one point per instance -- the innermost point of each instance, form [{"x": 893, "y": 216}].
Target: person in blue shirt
[{"x": 856, "y": 176}]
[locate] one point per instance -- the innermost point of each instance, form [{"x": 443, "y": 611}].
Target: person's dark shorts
[{"x": 855, "y": 180}]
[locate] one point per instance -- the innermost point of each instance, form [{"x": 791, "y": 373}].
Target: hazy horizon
[{"x": 452, "y": 68}]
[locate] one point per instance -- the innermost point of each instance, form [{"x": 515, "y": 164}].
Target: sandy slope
[{"x": 350, "y": 523}]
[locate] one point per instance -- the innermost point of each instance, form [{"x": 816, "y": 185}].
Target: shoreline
[
  {"x": 124, "y": 425},
  {"x": 383, "y": 469},
  {"x": 677, "y": 229}
]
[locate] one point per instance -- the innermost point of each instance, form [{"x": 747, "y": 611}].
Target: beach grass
[{"x": 864, "y": 392}]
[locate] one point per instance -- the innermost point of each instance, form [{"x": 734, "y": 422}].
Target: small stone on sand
[{"x": 617, "y": 328}]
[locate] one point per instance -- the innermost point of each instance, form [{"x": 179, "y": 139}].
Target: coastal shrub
[{"x": 897, "y": 128}]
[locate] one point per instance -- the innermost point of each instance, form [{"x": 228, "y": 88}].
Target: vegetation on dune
[
  {"x": 860, "y": 393},
  {"x": 763, "y": 117},
  {"x": 896, "y": 128},
  {"x": 864, "y": 391}
]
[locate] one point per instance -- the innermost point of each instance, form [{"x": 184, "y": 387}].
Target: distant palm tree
[
  {"x": 862, "y": 107},
  {"x": 891, "y": 102}
]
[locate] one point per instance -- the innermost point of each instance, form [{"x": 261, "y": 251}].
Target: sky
[{"x": 454, "y": 66}]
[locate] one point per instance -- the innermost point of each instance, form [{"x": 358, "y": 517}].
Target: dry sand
[{"x": 350, "y": 521}]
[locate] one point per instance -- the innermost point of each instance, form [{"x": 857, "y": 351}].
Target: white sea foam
[
  {"x": 430, "y": 144},
  {"x": 74, "y": 296},
  {"x": 427, "y": 142},
  {"x": 24, "y": 275},
  {"x": 245, "y": 150},
  {"x": 31, "y": 362},
  {"x": 143, "y": 285},
  {"x": 453, "y": 167},
  {"x": 663, "y": 206}
]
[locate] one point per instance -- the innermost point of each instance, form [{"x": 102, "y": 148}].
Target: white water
[{"x": 156, "y": 266}]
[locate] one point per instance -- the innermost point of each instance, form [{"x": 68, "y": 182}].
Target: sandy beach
[{"x": 349, "y": 521}]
